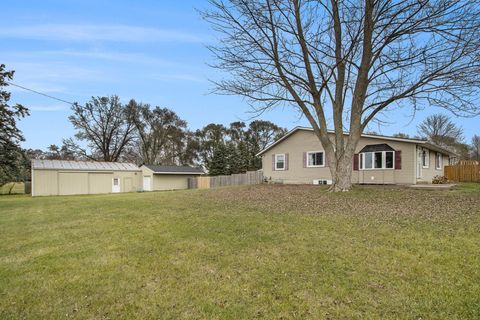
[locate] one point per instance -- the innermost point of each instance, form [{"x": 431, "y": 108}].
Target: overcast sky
[{"x": 153, "y": 51}]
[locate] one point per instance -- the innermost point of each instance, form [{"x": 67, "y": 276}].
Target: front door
[
  {"x": 146, "y": 183},
  {"x": 116, "y": 185},
  {"x": 419, "y": 163}
]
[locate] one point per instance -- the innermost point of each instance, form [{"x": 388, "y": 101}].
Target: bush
[{"x": 439, "y": 180}]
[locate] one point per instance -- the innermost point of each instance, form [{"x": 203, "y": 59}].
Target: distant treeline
[{"x": 107, "y": 130}]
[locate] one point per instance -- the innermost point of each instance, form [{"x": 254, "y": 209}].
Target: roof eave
[
  {"x": 345, "y": 133},
  {"x": 439, "y": 149},
  {"x": 169, "y": 172}
]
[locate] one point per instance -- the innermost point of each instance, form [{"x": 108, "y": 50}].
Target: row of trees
[
  {"x": 108, "y": 130},
  {"x": 136, "y": 132},
  {"x": 233, "y": 149}
]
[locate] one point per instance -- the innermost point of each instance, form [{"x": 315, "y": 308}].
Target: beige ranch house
[
  {"x": 299, "y": 157},
  {"x": 59, "y": 177}
]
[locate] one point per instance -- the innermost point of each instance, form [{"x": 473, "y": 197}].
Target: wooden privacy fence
[
  {"x": 250, "y": 177},
  {"x": 465, "y": 171}
]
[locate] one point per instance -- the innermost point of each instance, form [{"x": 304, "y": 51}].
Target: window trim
[
  {"x": 427, "y": 158},
  {"x": 361, "y": 160},
  {"x": 276, "y": 161},
  {"x": 315, "y": 166},
  {"x": 439, "y": 163}
]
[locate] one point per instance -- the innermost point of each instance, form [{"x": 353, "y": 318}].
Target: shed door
[
  {"x": 147, "y": 183},
  {"x": 116, "y": 185},
  {"x": 100, "y": 182},
  {"x": 72, "y": 183},
  {"x": 127, "y": 185}
]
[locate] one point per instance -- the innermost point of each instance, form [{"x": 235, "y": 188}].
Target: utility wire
[{"x": 40, "y": 93}]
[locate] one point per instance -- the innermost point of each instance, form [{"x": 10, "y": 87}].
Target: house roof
[
  {"x": 376, "y": 147},
  {"x": 174, "y": 169},
  {"x": 425, "y": 143},
  {"x": 83, "y": 165}
]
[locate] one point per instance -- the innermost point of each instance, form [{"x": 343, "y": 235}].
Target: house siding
[
  {"x": 166, "y": 181},
  {"x": 303, "y": 141},
  {"x": 429, "y": 173},
  {"x": 170, "y": 181}
]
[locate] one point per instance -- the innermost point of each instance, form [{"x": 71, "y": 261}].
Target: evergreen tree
[
  {"x": 11, "y": 156},
  {"x": 218, "y": 164}
]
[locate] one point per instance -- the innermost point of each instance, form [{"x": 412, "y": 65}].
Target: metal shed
[{"x": 60, "y": 177}]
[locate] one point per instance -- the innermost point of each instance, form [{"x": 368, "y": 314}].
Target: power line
[{"x": 40, "y": 93}]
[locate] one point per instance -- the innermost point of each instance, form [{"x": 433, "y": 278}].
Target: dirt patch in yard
[{"x": 383, "y": 202}]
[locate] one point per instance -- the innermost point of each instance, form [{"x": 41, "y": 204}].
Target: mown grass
[
  {"x": 12, "y": 188},
  {"x": 267, "y": 252}
]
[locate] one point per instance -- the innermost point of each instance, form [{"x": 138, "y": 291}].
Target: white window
[
  {"x": 315, "y": 159},
  {"x": 280, "y": 162},
  {"x": 367, "y": 160},
  {"x": 425, "y": 158},
  {"x": 389, "y": 160},
  {"x": 377, "y": 160},
  {"x": 438, "y": 161}
]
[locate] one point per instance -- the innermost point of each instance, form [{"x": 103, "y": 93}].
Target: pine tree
[
  {"x": 218, "y": 164},
  {"x": 11, "y": 156}
]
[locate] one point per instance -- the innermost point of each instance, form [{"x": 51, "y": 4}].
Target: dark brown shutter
[
  {"x": 398, "y": 160},
  {"x": 304, "y": 159},
  {"x": 286, "y": 161},
  {"x": 273, "y": 162},
  {"x": 355, "y": 162}
]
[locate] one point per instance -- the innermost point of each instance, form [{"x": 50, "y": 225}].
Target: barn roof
[{"x": 83, "y": 165}]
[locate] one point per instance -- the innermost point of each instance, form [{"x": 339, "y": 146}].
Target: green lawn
[
  {"x": 13, "y": 188},
  {"x": 271, "y": 252}
]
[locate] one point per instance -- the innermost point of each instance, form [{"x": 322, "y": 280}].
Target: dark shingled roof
[
  {"x": 174, "y": 169},
  {"x": 376, "y": 147}
]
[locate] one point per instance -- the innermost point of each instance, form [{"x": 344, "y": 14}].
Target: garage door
[
  {"x": 72, "y": 183},
  {"x": 100, "y": 182}
]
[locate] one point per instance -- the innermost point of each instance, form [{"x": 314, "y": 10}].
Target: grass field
[
  {"x": 271, "y": 252},
  {"x": 13, "y": 188}
]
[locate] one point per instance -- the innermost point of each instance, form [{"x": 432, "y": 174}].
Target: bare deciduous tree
[
  {"x": 439, "y": 129},
  {"x": 161, "y": 134},
  {"x": 349, "y": 61},
  {"x": 103, "y": 124},
  {"x": 476, "y": 147}
]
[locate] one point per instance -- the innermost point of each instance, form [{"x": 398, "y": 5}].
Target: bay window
[
  {"x": 367, "y": 160},
  {"x": 377, "y": 160}
]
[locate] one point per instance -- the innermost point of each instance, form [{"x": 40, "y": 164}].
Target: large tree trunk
[
  {"x": 342, "y": 175},
  {"x": 341, "y": 162}
]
